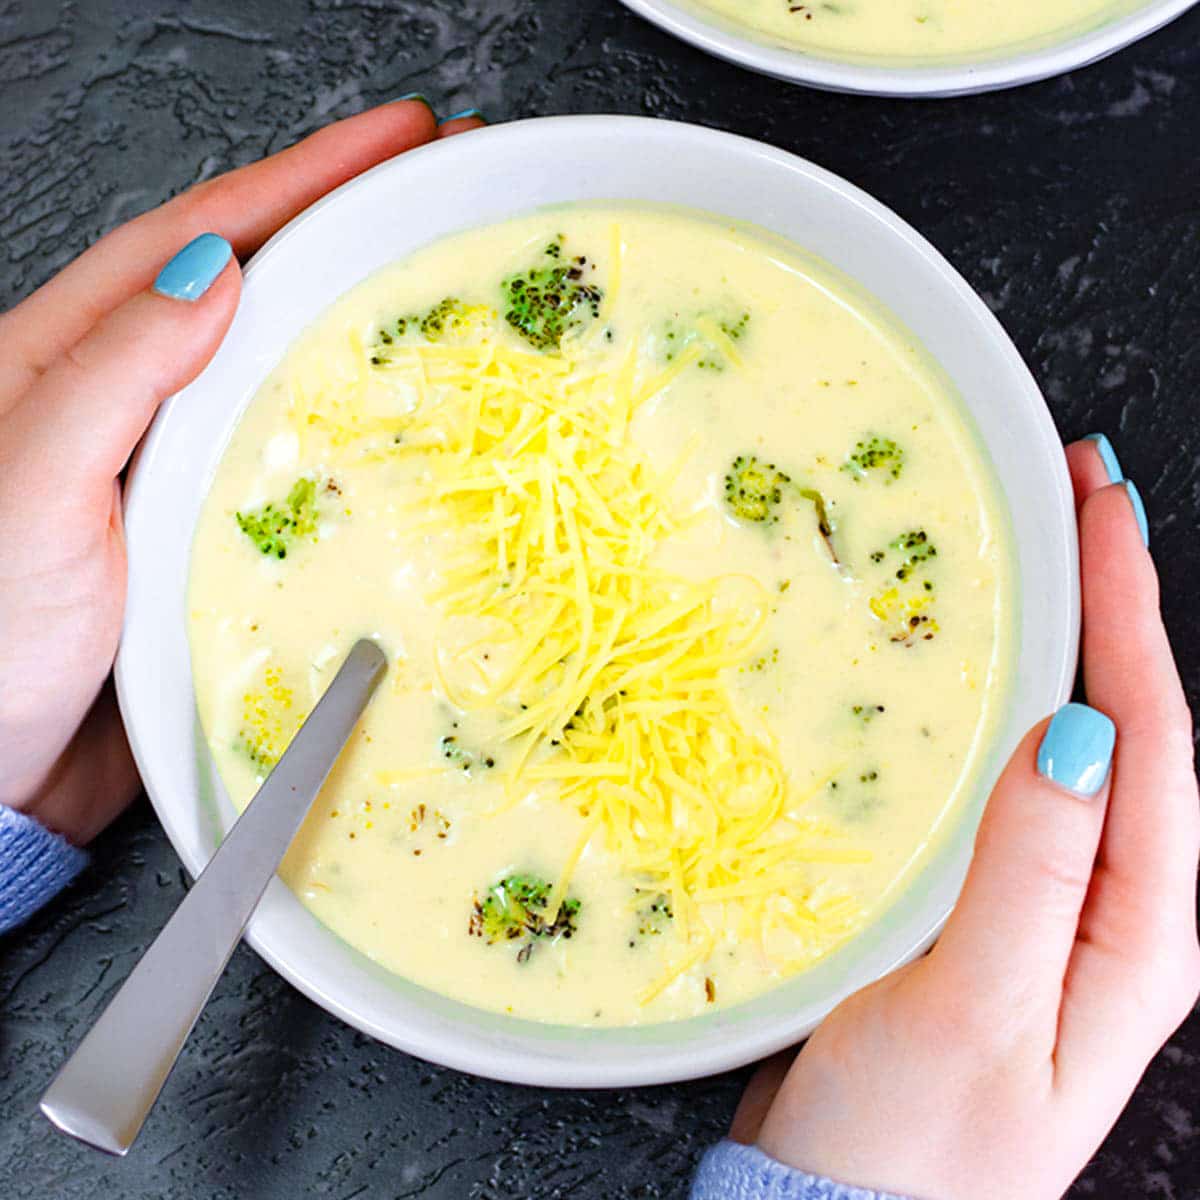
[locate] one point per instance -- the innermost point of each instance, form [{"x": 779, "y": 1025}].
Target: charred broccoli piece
[
  {"x": 514, "y": 910},
  {"x": 878, "y": 454},
  {"x": 551, "y": 298},
  {"x": 274, "y": 527}
]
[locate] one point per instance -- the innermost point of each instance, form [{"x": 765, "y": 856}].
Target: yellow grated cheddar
[{"x": 612, "y": 685}]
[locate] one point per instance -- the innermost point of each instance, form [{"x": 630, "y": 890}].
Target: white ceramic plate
[
  {"x": 484, "y": 177},
  {"x": 707, "y": 30}
]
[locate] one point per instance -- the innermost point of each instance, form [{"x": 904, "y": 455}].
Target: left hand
[{"x": 84, "y": 364}]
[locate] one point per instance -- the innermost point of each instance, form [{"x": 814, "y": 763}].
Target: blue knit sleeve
[
  {"x": 730, "y": 1171},
  {"x": 35, "y": 865}
]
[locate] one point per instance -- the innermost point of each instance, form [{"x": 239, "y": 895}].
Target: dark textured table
[{"x": 1073, "y": 206}]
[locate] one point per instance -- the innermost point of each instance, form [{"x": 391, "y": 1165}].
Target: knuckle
[
  {"x": 1059, "y": 876},
  {"x": 1053, "y": 865}
]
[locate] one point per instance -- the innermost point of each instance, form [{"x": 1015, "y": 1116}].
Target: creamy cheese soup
[
  {"x": 918, "y": 28},
  {"x": 695, "y": 588}
]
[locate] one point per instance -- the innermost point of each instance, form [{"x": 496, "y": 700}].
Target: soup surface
[
  {"x": 919, "y": 29},
  {"x": 696, "y": 593}
]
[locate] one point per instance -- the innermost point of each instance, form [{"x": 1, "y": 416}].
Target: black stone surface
[{"x": 1073, "y": 206}]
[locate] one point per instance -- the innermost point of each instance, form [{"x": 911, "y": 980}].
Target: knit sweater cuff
[
  {"x": 35, "y": 865},
  {"x": 730, "y": 1171}
]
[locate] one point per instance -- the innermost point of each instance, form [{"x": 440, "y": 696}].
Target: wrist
[
  {"x": 56, "y": 809},
  {"x": 35, "y": 865},
  {"x": 88, "y": 785}
]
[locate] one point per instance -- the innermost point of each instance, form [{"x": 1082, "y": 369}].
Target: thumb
[
  {"x": 1008, "y": 942},
  {"x": 78, "y": 424}
]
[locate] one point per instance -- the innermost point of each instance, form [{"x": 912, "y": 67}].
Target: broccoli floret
[
  {"x": 273, "y": 527},
  {"x": 653, "y": 915},
  {"x": 905, "y": 603},
  {"x": 878, "y": 454},
  {"x": 269, "y": 720},
  {"x": 866, "y": 713},
  {"x": 754, "y": 489},
  {"x": 735, "y": 329},
  {"x": 514, "y": 910},
  {"x": 546, "y": 301},
  {"x": 907, "y": 613},
  {"x": 682, "y": 330},
  {"x": 456, "y": 754},
  {"x": 916, "y": 548},
  {"x": 448, "y": 319},
  {"x": 764, "y": 662},
  {"x": 596, "y": 719},
  {"x": 855, "y": 797}
]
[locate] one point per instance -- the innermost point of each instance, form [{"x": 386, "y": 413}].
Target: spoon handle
[{"x": 103, "y": 1092}]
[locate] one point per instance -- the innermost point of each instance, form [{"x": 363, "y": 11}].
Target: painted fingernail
[
  {"x": 1108, "y": 456},
  {"x": 417, "y": 96},
  {"x": 462, "y": 116},
  {"x": 1077, "y": 749},
  {"x": 195, "y": 268},
  {"x": 1139, "y": 509}
]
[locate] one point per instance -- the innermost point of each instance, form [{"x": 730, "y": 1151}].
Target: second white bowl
[{"x": 980, "y": 73}]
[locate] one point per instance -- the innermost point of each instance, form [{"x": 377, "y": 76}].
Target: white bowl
[
  {"x": 485, "y": 177},
  {"x": 954, "y": 77}
]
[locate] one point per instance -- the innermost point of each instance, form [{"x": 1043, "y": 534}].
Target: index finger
[
  {"x": 245, "y": 207},
  {"x": 1129, "y": 673},
  {"x": 1133, "y": 972}
]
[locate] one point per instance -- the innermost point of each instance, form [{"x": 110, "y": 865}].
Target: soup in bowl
[
  {"x": 719, "y": 553},
  {"x": 911, "y": 47}
]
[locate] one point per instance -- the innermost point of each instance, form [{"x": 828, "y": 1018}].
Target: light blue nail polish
[
  {"x": 1139, "y": 510},
  {"x": 1108, "y": 456},
  {"x": 414, "y": 96},
  {"x": 195, "y": 268},
  {"x": 462, "y": 116},
  {"x": 1077, "y": 749}
]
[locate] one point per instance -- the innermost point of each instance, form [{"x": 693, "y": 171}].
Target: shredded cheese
[{"x": 614, "y": 686}]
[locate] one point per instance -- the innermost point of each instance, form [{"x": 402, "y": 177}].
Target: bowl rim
[
  {"x": 506, "y": 1052},
  {"x": 936, "y": 80}
]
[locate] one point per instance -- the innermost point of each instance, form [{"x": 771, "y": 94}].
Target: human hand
[
  {"x": 992, "y": 1068},
  {"x": 84, "y": 364}
]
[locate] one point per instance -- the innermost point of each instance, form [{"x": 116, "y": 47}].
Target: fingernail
[
  {"x": 194, "y": 269},
  {"x": 413, "y": 96},
  {"x": 1139, "y": 510},
  {"x": 462, "y": 116},
  {"x": 1077, "y": 749},
  {"x": 1108, "y": 456}
]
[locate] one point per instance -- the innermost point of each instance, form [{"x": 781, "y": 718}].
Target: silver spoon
[{"x": 104, "y": 1091}]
